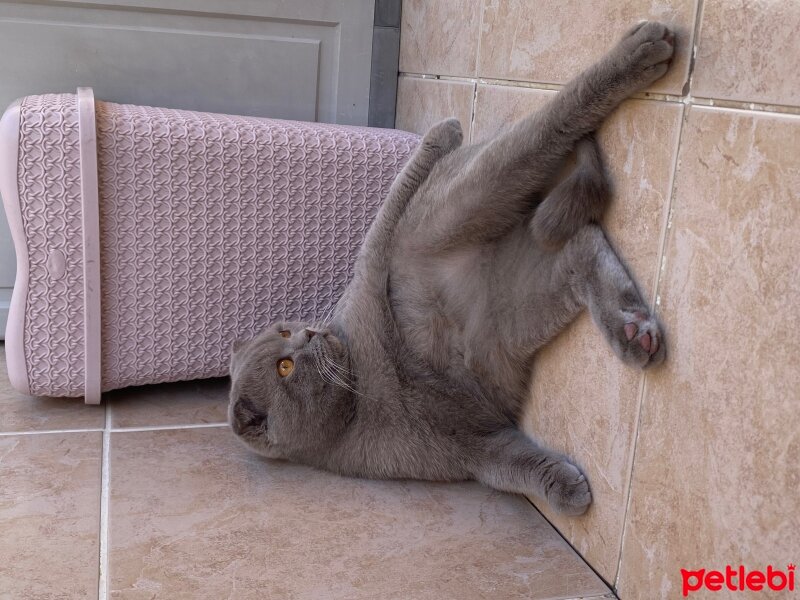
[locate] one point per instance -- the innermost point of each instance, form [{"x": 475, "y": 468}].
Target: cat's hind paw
[
  {"x": 648, "y": 48},
  {"x": 445, "y": 135},
  {"x": 641, "y": 339}
]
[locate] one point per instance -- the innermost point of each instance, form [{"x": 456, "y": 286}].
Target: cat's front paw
[
  {"x": 647, "y": 50},
  {"x": 641, "y": 340},
  {"x": 568, "y": 491}
]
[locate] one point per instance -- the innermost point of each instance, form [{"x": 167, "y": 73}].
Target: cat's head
[{"x": 289, "y": 391}]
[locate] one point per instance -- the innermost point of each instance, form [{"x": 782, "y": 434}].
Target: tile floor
[{"x": 150, "y": 496}]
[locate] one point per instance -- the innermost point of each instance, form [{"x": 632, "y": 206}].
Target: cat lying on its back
[{"x": 422, "y": 368}]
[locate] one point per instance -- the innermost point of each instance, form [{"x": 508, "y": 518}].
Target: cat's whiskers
[
  {"x": 338, "y": 379},
  {"x": 339, "y": 368},
  {"x": 325, "y": 366},
  {"x": 346, "y": 374},
  {"x": 325, "y": 321},
  {"x": 325, "y": 371}
]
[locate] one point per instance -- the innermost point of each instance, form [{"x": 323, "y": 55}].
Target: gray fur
[{"x": 422, "y": 368}]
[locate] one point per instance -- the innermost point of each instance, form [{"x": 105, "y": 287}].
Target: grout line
[
  {"x": 592, "y": 597},
  {"x": 480, "y": 37},
  {"x": 686, "y": 99},
  {"x": 698, "y": 20},
  {"x": 48, "y": 431},
  {"x": 102, "y": 591},
  {"x": 477, "y": 66},
  {"x": 472, "y": 115},
  {"x": 521, "y": 84},
  {"x": 575, "y": 550},
  {"x": 166, "y": 427},
  {"x": 114, "y": 429},
  {"x": 631, "y": 466},
  {"x": 655, "y": 299},
  {"x": 778, "y": 109}
]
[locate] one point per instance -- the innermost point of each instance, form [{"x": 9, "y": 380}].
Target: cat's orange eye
[
  {"x": 285, "y": 333},
  {"x": 285, "y": 367}
]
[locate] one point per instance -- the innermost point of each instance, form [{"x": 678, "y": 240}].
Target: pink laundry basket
[{"x": 149, "y": 239}]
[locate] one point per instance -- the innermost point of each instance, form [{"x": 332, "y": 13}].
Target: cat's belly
[
  {"x": 481, "y": 311},
  {"x": 446, "y": 311}
]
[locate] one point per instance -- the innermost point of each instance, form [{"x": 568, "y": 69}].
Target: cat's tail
[{"x": 577, "y": 201}]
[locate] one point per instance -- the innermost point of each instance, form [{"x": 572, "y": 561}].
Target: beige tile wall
[{"x": 694, "y": 464}]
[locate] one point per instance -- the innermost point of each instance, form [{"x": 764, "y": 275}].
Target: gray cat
[{"x": 423, "y": 367}]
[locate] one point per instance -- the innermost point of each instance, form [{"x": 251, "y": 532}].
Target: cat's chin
[
  {"x": 263, "y": 448},
  {"x": 268, "y": 452}
]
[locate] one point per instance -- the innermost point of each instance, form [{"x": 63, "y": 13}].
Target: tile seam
[
  {"x": 687, "y": 99},
  {"x": 473, "y": 112},
  {"x": 115, "y": 429},
  {"x": 655, "y": 301},
  {"x": 102, "y": 589},
  {"x": 592, "y": 597},
  {"x": 167, "y": 427},
  {"x": 50, "y": 431},
  {"x": 595, "y": 597},
  {"x": 746, "y": 107},
  {"x": 660, "y": 266},
  {"x": 477, "y": 68},
  {"x": 574, "y": 549},
  {"x": 480, "y": 38}
]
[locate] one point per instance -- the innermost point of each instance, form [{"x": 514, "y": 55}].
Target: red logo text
[{"x": 738, "y": 580}]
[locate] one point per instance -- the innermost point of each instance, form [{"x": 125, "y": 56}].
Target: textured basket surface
[{"x": 211, "y": 227}]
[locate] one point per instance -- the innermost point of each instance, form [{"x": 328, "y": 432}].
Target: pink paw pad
[
  {"x": 653, "y": 346},
  {"x": 648, "y": 342},
  {"x": 645, "y": 342}
]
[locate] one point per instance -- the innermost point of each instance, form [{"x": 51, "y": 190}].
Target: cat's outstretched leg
[
  {"x": 440, "y": 140},
  {"x": 577, "y": 201},
  {"x": 371, "y": 266},
  {"x": 512, "y": 462},
  {"x": 606, "y": 288},
  {"x": 497, "y": 186},
  {"x": 641, "y": 57},
  {"x": 371, "y": 270}
]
